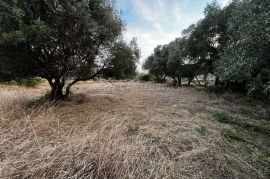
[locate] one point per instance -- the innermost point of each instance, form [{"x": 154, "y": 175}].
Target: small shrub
[
  {"x": 81, "y": 99},
  {"x": 215, "y": 90},
  {"x": 257, "y": 127},
  {"x": 132, "y": 129},
  {"x": 245, "y": 111},
  {"x": 231, "y": 135},
  {"x": 259, "y": 90},
  {"x": 223, "y": 118},
  {"x": 202, "y": 130},
  {"x": 144, "y": 77},
  {"x": 172, "y": 83},
  {"x": 27, "y": 82}
]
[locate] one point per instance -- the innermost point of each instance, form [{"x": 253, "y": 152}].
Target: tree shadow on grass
[
  {"x": 39, "y": 102},
  {"x": 44, "y": 101}
]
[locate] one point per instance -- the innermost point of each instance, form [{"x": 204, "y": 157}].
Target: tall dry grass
[{"x": 104, "y": 137}]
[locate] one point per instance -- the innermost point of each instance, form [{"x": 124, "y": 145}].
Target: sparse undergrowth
[
  {"x": 261, "y": 126},
  {"x": 231, "y": 135},
  {"x": 27, "y": 82},
  {"x": 121, "y": 130}
]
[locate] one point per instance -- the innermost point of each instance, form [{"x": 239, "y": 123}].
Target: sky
[{"x": 157, "y": 22}]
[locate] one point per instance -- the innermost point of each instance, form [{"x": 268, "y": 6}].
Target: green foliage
[
  {"x": 144, "y": 77},
  {"x": 231, "y": 135},
  {"x": 170, "y": 61},
  {"x": 231, "y": 43},
  {"x": 257, "y": 126},
  {"x": 124, "y": 59},
  {"x": 202, "y": 43},
  {"x": 193, "y": 54},
  {"x": 176, "y": 58},
  {"x": 56, "y": 39},
  {"x": 223, "y": 118},
  {"x": 245, "y": 55},
  {"x": 27, "y": 82},
  {"x": 156, "y": 63},
  {"x": 202, "y": 130},
  {"x": 259, "y": 90}
]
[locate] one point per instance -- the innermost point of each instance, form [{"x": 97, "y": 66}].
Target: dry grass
[{"x": 127, "y": 130}]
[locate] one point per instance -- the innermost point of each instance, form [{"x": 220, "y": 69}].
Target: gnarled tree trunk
[
  {"x": 179, "y": 80},
  {"x": 190, "y": 80},
  {"x": 56, "y": 90}
]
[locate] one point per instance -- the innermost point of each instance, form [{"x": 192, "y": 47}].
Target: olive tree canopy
[{"x": 63, "y": 41}]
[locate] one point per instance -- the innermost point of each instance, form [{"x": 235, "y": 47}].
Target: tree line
[
  {"x": 231, "y": 43},
  {"x": 64, "y": 42}
]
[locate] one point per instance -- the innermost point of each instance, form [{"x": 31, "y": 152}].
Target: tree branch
[{"x": 84, "y": 79}]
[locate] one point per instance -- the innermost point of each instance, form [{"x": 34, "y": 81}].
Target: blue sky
[{"x": 156, "y": 22}]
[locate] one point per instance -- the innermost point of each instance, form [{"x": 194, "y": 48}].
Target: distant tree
[
  {"x": 172, "y": 61},
  {"x": 124, "y": 59},
  {"x": 156, "y": 64},
  {"x": 231, "y": 43},
  {"x": 203, "y": 39},
  {"x": 177, "y": 58},
  {"x": 58, "y": 40}
]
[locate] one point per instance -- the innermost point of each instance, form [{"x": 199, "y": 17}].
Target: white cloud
[
  {"x": 225, "y": 3},
  {"x": 144, "y": 10},
  {"x": 148, "y": 40},
  {"x": 166, "y": 19},
  {"x": 160, "y": 3}
]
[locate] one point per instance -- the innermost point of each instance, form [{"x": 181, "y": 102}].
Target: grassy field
[{"x": 132, "y": 130}]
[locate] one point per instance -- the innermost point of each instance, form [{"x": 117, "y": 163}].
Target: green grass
[
  {"x": 247, "y": 123},
  {"x": 202, "y": 130},
  {"x": 231, "y": 135},
  {"x": 263, "y": 157},
  {"x": 258, "y": 155},
  {"x": 132, "y": 130}
]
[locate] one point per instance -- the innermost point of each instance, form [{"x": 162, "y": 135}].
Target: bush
[
  {"x": 144, "y": 77},
  {"x": 27, "y": 82},
  {"x": 132, "y": 129},
  {"x": 172, "y": 83},
  {"x": 259, "y": 90}
]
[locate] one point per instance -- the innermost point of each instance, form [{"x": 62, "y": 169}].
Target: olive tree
[
  {"x": 124, "y": 57},
  {"x": 177, "y": 57},
  {"x": 245, "y": 55},
  {"x": 156, "y": 63},
  {"x": 63, "y": 41}
]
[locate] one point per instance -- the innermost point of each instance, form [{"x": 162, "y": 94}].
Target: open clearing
[{"x": 132, "y": 130}]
